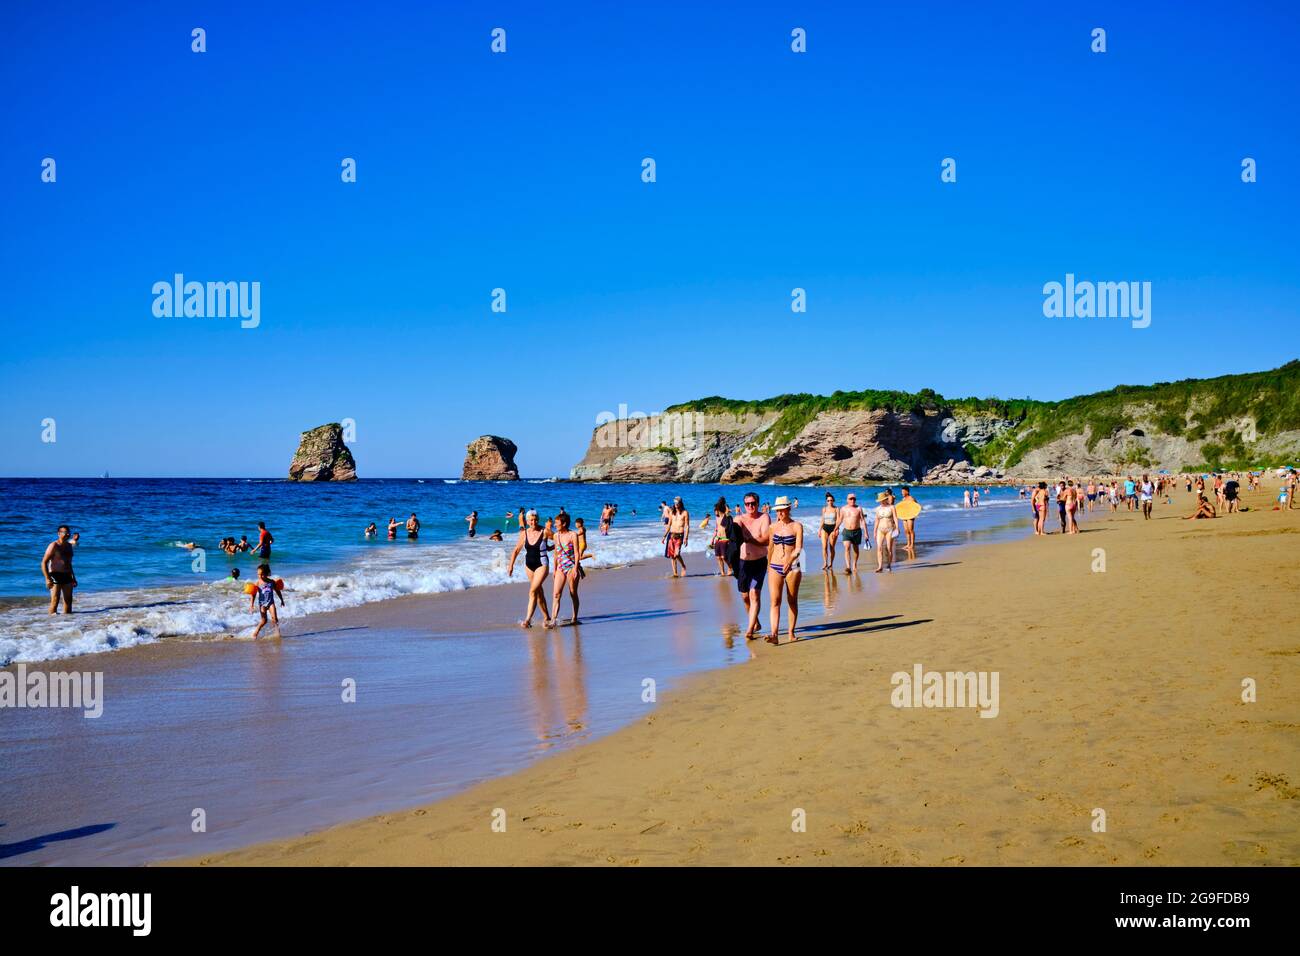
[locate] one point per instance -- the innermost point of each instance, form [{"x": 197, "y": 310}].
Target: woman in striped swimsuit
[
  {"x": 568, "y": 566},
  {"x": 784, "y": 568}
]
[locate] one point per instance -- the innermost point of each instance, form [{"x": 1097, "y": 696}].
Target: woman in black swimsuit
[
  {"x": 827, "y": 532},
  {"x": 532, "y": 541}
]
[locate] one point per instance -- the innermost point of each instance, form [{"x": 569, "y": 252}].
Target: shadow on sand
[{"x": 39, "y": 843}]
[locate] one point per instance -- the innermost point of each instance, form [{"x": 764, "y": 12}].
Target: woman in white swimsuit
[{"x": 886, "y": 524}]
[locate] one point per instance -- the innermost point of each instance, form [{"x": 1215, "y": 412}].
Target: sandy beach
[{"x": 1119, "y": 691}]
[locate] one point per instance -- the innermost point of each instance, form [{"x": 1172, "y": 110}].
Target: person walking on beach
[
  {"x": 909, "y": 526},
  {"x": 264, "y": 541},
  {"x": 56, "y": 568},
  {"x": 1040, "y": 499},
  {"x": 677, "y": 534},
  {"x": 262, "y": 600},
  {"x": 472, "y": 519},
  {"x": 886, "y": 527},
  {"x": 852, "y": 522},
  {"x": 1071, "y": 508},
  {"x": 784, "y": 568},
  {"x": 1146, "y": 495},
  {"x": 721, "y": 536},
  {"x": 751, "y": 569},
  {"x": 413, "y": 527},
  {"x": 827, "y": 532},
  {"x": 568, "y": 567},
  {"x": 532, "y": 541}
]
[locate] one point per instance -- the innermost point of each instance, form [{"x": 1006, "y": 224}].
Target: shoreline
[
  {"x": 1116, "y": 696},
  {"x": 449, "y": 692}
]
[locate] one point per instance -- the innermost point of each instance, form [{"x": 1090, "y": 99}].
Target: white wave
[{"x": 110, "y": 620}]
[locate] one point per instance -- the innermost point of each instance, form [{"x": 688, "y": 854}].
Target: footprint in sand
[{"x": 1278, "y": 783}]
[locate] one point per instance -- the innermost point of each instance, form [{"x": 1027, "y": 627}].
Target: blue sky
[{"x": 522, "y": 171}]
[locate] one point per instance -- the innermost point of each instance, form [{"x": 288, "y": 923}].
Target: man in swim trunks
[
  {"x": 413, "y": 526},
  {"x": 472, "y": 518},
  {"x": 56, "y": 566},
  {"x": 676, "y": 535},
  {"x": 851, "y": 523},
  {"x": 264, "y": 541},
  {"x": 755, "y": 531}
]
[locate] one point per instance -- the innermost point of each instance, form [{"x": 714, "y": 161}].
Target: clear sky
[{"x": 523, "y": 171}]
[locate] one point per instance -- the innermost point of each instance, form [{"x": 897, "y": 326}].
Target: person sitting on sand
[
  {"x": 262, "y": 600},
  {"x": 1204, "y": 509}
]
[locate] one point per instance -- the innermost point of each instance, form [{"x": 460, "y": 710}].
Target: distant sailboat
[{"x": 105, "y": 475}]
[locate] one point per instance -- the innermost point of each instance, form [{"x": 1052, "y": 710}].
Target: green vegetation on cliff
[
  {"x": 1194, "y": 409},
  {"x": 1191, "y": 408},
  {"x": 870, "y": 399}
]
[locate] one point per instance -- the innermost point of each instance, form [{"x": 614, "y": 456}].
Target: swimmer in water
[
  {"x": 371, "y": 530},
  {"x": 392, "y": 528},
  {"x": 413, "y": 527},
  {"x": 472, "y": 519}
]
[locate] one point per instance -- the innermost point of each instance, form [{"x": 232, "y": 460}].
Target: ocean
[{"x": 137, "y": 584}]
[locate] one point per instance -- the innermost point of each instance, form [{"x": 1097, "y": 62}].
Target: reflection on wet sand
[{"x": 559, "y": 687}]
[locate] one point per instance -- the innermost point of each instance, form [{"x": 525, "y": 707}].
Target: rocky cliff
[
  {"x": 322, "y": 456},
  {"x": 490, "y": 458},
  {"x": 832, "y": 446},
  {"x": 1233, "y": 421}
]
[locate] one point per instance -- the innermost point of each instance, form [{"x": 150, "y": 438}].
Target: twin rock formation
[
  {"x": 490, "y": 458},
  {"x": 323, "y": 456}
]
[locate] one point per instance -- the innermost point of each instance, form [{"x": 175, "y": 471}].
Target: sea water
[{"x": 137, "y": 584}]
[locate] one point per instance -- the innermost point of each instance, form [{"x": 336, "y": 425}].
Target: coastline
[
  {"x": 1115, "y": 695},
  {"x": 449, "y": 693}
]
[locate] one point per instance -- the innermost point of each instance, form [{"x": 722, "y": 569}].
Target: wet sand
[
  {"x": 448, "y": 693},
  {"x": 1120, "y": 691}
]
